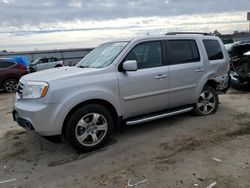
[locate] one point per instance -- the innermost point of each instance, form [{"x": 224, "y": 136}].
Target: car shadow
[{"x": 22, "y": 145}]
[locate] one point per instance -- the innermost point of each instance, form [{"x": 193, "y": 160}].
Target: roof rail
[{"x": 195, "y": 33}]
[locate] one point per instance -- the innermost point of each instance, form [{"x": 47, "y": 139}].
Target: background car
[
  {"x": 240, "y": 64},
  {"x": 45, "y": 63},
  {"x": 10, "y": 72}
]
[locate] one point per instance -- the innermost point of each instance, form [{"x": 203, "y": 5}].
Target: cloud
[
  {"x": 50, "y": 11},
  {"x": 7, "y": 1},
  {"x": 80, "y": 23},
  {"x": 72, "y": 34}
]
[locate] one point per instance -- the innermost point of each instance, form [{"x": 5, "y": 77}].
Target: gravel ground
[{"x": 180, "y": 151}]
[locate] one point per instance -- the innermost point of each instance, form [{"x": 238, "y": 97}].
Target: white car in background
[{"x": 45, "y": 63}]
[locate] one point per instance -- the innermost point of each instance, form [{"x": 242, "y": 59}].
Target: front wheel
[
  {"x": 89, "y": 127},
  {"x": 207, "y": 103}
]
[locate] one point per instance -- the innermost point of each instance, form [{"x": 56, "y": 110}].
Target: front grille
[{"x": 20, "y": 88}]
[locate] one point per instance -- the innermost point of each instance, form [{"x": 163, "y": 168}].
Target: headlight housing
[{"x": 35, "y": 90}]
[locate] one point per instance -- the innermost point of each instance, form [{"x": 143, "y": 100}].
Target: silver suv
[{"x": 124, "y": 82}]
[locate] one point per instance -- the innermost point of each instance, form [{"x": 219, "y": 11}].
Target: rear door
[
  {"x": 52, "y": 62},
  {"x": 43, "y": 64},
  {"x": 147, "y": 89},
  {"x": 186, "y": 68}
]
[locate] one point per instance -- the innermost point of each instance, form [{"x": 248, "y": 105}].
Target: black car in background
[{"x": 240, "y": 64}]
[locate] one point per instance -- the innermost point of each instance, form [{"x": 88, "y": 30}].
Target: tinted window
[
  {"x": 45, "y": 60},
  {"x": 5, "y": 64},
  {"x": 41, "y": 61},
  {"x": 53, "y": 59},
  {"x": 147, "y": 55},
  {"x": 213, "y": 49},
  {"x": 182, "y": 51}
]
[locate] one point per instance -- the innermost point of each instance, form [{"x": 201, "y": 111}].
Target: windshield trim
[{"x": 108, "y": 43}]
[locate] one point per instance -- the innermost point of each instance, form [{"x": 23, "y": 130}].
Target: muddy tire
[
  {"x": 89, "y": 128},
  {"x": 207, "y": 103}
]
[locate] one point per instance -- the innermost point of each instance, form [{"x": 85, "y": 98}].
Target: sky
[{"x": 60, "y": 24}]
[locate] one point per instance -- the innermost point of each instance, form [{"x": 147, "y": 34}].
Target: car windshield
[
  {"x": 35, "y": 61},
  {"x": 102, "y": 56}
]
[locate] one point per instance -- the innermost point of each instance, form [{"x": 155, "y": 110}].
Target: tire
[
  {"x": 10, "y": 85},
  {"x": 32, "y": 70},
  {"x": 59, "y": 65},
  {"x": 89, "y": 128},
  {"x": 207, "y": 103}
]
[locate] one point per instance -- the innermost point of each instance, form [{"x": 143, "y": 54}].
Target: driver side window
[{"x": 147, "y": 55}]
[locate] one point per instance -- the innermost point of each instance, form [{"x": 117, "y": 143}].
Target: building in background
[{"x": 68, "y": 56}]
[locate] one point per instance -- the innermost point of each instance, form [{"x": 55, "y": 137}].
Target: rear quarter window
[{"x": 213, "y": 48}]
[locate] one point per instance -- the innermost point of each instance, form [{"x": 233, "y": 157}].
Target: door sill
[{"x": 159, "y": 115}]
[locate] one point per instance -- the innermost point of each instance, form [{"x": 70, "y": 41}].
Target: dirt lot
[{"x": 173, "y": 152}]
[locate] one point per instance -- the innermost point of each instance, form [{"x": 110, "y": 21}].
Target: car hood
[{"x": 57, "y": 73}]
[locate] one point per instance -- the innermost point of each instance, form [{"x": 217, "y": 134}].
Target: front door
[{"x": 147, "y": 89}]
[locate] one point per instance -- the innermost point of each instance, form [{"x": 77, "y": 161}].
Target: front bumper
[
  {"x": 43, "y": 119},
  {"x": 26, "y": 124}
]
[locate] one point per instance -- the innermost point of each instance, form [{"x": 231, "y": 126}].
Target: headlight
[{"x": 35, "y": 90}]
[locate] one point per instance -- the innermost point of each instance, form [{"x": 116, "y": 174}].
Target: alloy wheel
[
  {"x": 206, "y": 102},
  {"x": 10, "y": 86},
  {"x": 91, "y": 129}
]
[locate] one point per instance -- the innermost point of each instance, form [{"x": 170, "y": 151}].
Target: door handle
[
  {"x": 199, "y": 70},
  {"x": 161, "y": 76}
]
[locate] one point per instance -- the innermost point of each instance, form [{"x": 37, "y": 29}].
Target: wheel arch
[
  {"x": 101, "y": 102},
  {"x": 212, "y": 83},
  {"x": 58, "y": 65},
  {"x": 208, "y": 79},
  {"x": 8, "y": 78}
]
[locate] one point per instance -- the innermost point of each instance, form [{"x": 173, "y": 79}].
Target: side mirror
[{"x": 130, "y": 65}]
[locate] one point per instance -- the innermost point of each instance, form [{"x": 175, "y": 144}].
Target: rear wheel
[
  {"x": 10, "y": 85},
  {"x": 89, "y": 127},
  {"x": 59, "y": 65},
  {"x": 208, "y": 102}
]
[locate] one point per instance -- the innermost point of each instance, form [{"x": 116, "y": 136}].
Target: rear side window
[
  {"x": 53, "y": 59},
  {"x": 6, "y": 64},
  {"x": 182, "y": 51},
  {"x": 213, "y": 49}
]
